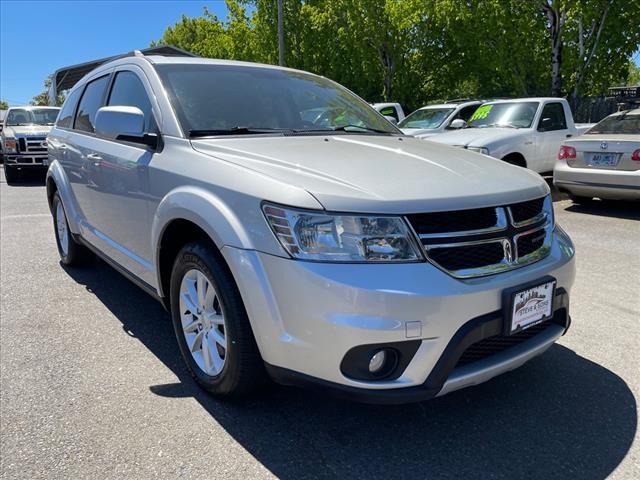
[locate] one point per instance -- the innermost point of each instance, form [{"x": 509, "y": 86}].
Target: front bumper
[
  {"x": 29, "y": 161},
  {"x": 307, "y": 316},
  {"x": 592, "y": 182}
]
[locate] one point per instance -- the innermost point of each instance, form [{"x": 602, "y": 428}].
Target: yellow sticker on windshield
[{"x": 481, "y": 112}]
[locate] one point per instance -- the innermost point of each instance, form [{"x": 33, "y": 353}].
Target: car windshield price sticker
[{"x": 531, "y": 306}]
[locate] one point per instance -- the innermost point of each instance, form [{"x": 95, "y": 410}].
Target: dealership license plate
[
  {"x": 531, "y": 306},
  {"x": 603, "y": 159}
]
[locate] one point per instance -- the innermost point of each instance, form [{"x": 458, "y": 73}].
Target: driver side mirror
[
  {"x": 123, "y": 123},
  {"x": 545, "y": 124},
  {"x": 457, "y": 124},
  {"x": 391, "y": 119}
]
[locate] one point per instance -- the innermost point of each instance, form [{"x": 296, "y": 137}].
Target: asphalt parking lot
[{"x": 92, "y": 384}]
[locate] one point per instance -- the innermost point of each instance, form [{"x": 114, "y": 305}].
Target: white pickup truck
[{"x": 525, "y": 131}]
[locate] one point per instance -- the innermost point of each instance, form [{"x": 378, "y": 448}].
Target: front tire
[
  {"x": 11, "y": 174},
  {"x": 211, "y": 323},
  {"x": 71, "y": 252}
]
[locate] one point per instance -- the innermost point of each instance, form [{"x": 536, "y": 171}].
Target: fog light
[{"x": 377, "y": 361}]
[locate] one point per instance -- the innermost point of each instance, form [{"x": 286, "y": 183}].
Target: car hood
[
  {"x": 26, "y": 130},
  {"x": 379, "y": 174},
  {"x": 478, "y": 137}
]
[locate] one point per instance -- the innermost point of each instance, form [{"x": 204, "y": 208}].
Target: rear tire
[
  {"x": 581, "y": 200},
  {"x": 11, "y": 174},
  {"x": 71, "y": 252},
  {"x": 211, "y": 324}
]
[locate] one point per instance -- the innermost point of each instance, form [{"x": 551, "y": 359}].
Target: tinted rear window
[
  {"x": 624, "y": 124},
  {"x": 65, "y": 119},
  {"x": 90, "y": 103}
]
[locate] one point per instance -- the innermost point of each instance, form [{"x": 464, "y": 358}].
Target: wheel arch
[
  {"x": 515, "y": 158},
  {"x": 56, "y": 181},
  {"x": 187, "y": 214}
]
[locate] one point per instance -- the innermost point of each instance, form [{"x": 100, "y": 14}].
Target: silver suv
[{"x": 327, "y": 250}]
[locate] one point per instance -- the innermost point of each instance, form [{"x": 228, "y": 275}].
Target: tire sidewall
[
  {"x": 65, "y": 259},
  {"x": 199, "y": 257}
]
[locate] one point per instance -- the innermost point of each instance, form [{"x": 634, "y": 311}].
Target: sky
[{"x": 38, "y": 37}]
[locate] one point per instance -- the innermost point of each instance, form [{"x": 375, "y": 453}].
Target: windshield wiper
[
  {"x": 235, "y": 131},
  {"x": 342, "y": 128}
]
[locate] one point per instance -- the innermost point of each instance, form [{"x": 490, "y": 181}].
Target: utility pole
[{"x": 280, "y": 35}]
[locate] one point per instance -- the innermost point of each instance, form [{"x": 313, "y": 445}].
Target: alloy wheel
[{"x": 202, "y": 321}]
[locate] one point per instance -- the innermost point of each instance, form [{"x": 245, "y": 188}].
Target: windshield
[
  {"x": 32, "y": 116},
  {"x": 230, "y": 99},
  {"x": 624, "y": 124},
  {"x": 426, "y": 118},
  {"x": 510, "y": 114}
]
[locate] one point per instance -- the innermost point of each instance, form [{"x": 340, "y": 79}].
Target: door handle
[
  {"x": 62, "y": 146},
  {"x": 96, "y": 159}
]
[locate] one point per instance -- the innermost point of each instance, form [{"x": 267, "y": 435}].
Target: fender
[
  {"x": 57, "y": 174},
  {"x": 206, "y": 210}
]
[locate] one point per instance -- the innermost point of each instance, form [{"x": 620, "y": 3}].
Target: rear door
[
  {"x": 75, "y": 137},
  {"x": 119, "y": 179}
]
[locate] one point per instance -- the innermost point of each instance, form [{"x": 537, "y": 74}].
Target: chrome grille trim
[{"x": 507, "y": 232}]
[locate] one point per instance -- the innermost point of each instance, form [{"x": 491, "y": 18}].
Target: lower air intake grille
[{"x": 498, "y": 343}]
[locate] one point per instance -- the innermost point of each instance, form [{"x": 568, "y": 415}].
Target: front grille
[
  {"x": 530, "y": 243},
  {"x": 484, "y": 241},
  {"x": 32, "y": 145},
  {"x": 498, "y": 343},
  {"x": 467, "y": 256},
  {"x": 462, "y": 220},
  {"x": 521, "y": 212}
]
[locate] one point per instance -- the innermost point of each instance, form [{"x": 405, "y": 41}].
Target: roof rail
[{"x": 66, "y": 77}]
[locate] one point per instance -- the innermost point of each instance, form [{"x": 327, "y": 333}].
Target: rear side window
[
  {"x": 552, "y": 118},
  {"x": 90, "y": 103},
  {"x": 129, "y": 91},
  {"x": 65, "y": 119},
  {"x": 389, "y": 112},
  {"x": 466, "y": 112}
]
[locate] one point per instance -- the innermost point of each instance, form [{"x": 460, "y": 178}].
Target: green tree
[
  {"x": 417, "y": 51},
  {"x": 590, "y": 43},
  {"x": 4, "y": 105},
  {"x": 633, "y": 75},
  {"x": 42, "y": 99}
]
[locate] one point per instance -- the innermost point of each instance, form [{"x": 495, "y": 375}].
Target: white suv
[{"x": 341, "y": 254}]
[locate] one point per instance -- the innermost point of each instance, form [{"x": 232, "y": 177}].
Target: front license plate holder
[{"x": 528, "y": 304}]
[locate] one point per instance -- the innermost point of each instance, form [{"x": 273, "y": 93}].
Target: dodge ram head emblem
[
  {"x": 508, "y": 251},
  {"x": 604, "y": 145}
]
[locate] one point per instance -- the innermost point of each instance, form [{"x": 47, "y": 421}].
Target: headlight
[
  {"x": 483, "y": 150},
  {"x": 317, "y": 236},
  {"x": 10, "y": 145}
]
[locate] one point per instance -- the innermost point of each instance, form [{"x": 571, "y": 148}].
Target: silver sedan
[{"x": 604, "y": 162}]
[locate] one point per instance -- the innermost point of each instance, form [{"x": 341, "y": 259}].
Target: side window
[
  {"x": 90, "y": 103},
  {"x": 65, "y": 119},
  {"x": 389, "y": 112},
  {"x": 552, "y": 118},
  {"x": 129, "y": 91},
  {"x": 466, "y": 112}
]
